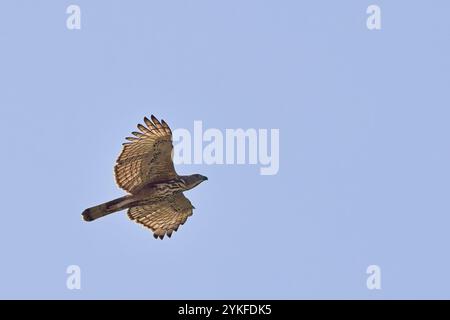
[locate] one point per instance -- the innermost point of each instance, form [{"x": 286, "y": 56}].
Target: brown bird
[{"x": 145, "y": 170}]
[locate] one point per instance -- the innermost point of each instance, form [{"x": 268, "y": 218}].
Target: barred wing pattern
[
  {"x": 146, "y": 158},
  {"x": 163, "y": 217}
]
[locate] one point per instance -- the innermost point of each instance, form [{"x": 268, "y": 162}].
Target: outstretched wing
[
  {"x": 146, "y": 157},
  {"x": 163, "y": 217}
]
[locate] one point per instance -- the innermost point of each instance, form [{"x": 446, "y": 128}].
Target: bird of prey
[{"x": 145, "y": 170}]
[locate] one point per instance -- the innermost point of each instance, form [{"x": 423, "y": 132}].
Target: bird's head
[{"x": 193, "y": 180}]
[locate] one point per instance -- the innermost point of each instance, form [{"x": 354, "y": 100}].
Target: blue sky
[{"x": 364, "y": 152}]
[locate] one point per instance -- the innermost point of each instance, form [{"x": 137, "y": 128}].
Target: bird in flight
[{"x": 145, "y": 170}]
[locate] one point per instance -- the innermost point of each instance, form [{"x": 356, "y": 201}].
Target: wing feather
[
  {"x": 163, "y": 217},
  {"x": 146, "y": 157}
]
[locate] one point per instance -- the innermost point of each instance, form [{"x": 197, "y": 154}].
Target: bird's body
[{"x": 145, "y": 169}]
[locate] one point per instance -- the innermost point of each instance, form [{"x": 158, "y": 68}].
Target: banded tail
[{"x": 106, "y": 208}]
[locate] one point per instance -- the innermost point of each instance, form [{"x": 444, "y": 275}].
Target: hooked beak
[{"x": 205, "y": 178}]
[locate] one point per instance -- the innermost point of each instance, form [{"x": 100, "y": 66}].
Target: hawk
[{"x": 145, "y": 170}]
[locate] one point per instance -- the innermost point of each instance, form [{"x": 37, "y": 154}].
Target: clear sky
[{"x": 364, "y": 147}]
